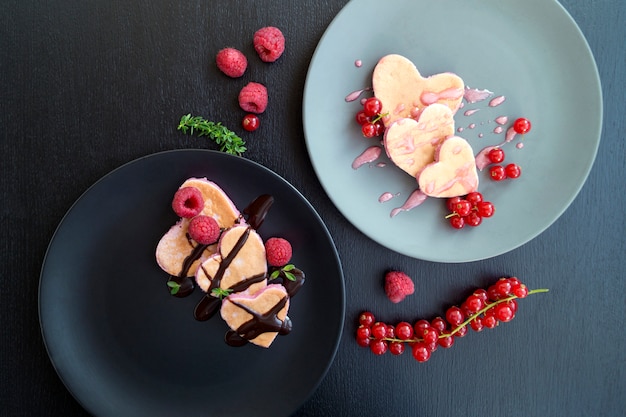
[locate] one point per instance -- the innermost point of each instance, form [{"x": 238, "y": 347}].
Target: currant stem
[
  {"x": 469, "y": 319},
  {"x": 380, "y": 116}
]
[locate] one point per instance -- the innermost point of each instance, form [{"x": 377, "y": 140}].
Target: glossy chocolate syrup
[
  {"x": 292, "y": 286},
  {"x": 255, "y": 215},
  {"x": 209, "y": 304},
  {"x": 187, "y": 283},
  {"x": 259, "y": 324},
  {"x": 257, "y": 210}
]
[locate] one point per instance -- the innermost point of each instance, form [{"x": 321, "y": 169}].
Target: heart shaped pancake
[
  {"x": 258, "y": 317},
  {"x": 176, "y": 246},
  {"x": 411, "y": 144},
  {"x": 454, "y": 171},
  {"x": 239, "y": 263},
  {"x": 403, "y": 91}
]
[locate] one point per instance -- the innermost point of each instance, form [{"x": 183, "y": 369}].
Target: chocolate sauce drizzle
[
  {"x": 259, "y": 324},
  {"x": 209, "y": 304},
  {"x": 292, "y": 287},
  {"x": 257, "y": 210},
  {"x": 186, "y": 283}
]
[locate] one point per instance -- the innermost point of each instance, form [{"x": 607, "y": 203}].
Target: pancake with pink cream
[
  {"x": 453, "y": 173},
  {"x": 403, "y": 91},
  {"x": 411, "y": 144}
]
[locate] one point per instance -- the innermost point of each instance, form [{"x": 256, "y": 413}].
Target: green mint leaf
[
  {"x": 275, "y": 274},
  {"x": 290, "y": 276},
  {"x": 289, "y": 267},
  {"x": 220, "y": 293},
  {"x": 174, "y": 287}
]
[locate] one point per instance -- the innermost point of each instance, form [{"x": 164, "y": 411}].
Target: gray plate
[
  {"x": 124, "y": 347},
  {"x": 531, "y": 52}
]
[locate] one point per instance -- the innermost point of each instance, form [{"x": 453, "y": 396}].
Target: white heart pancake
[
  {"x": 454, "y": 171},
  {"x": 403, "y": 91},
  {"x": 262, "y": 313},
  {"x": 411, "y": 144}
]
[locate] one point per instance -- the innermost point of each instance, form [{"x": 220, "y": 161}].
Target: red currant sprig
[
  {"x": 469, "y": 210},
  {"x": 483, "y": 309},
  {"x": 370, "y": 118}
]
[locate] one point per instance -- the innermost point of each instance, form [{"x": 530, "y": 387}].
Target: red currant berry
[
  {"x": 391, "y": 332},
  {"x": 378, "y": 347},
  {"x": 503, "y": 287},
  {"x": 490, "y": 322},
  {"x": 512, "y": 171},
  {"x": 421, "y": 353},
  {"x": 485, "y": 208},
  {"x": 503, "y": 312},
  {"x": 496, "y": 155},
  {"x": 380, "y": 127},
  {"x": 404, "y": 330},
  {"x": 420, "y": 326},
  {"x": 363, "y": 332},
  {"x": 457, "y": 222},
  {"x": 361, "y": 118},
  {"x": 474, "y": 198},
  {"x": 515, "y": 282},
  {"x": 432, "y": 346},
  {"x": 372, "y": 106},
  {"x": 366, "y": 318},
  {"x": 522, "y": 125},
  {"x": 497, "y": 173},
  {"x": 481, "y": 293},
  {"x": 492, "y": 293},
  {"x": 520, "y": 291},
  {"x": 463, "y": 208},
  {"x": 396, "y": 348},
  {"x": 477, "y": 324},
  {"x": 368, "y": 130},
  {"x": 379, "y": 330},
  {"x": 446, "y": 341},
  {"x": 363, "y": 342},
  {"x": 250, "y": 122},
  {"x": 455, "y": 316},
  {"x": 451, "y": 203},
  {"x": 439, "y": 324},
  {"x": 430, "y": 335},
  {"x": 513, "y": 305},
  {"x": 473, "y": 219},
  {"x": 474, "y": 303}
]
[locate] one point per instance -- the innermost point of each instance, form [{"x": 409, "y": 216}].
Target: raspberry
[
  {"x": 277, "y": 251},
  {"x": 188, "y": 202},
  {"x": 253, "y": 98},
  {"x": 231, "y": 62},
  {"x": 204, "y": 230},
  {"x": 269, "y": 43},
  {"x": 398, "y": 285}
]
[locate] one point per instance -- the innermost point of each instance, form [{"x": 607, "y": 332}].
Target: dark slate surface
[{"x": 86, "y": 86}]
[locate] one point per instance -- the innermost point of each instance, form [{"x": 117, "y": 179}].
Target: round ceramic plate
[
  {"x": 530, "y": 52},
  {"x": 124, "y": 347}
]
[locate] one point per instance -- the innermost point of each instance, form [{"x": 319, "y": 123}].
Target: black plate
[{"x": 124, "y": 347}]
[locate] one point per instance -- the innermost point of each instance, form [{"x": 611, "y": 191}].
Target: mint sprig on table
[{"x": 227, "y": 140}]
